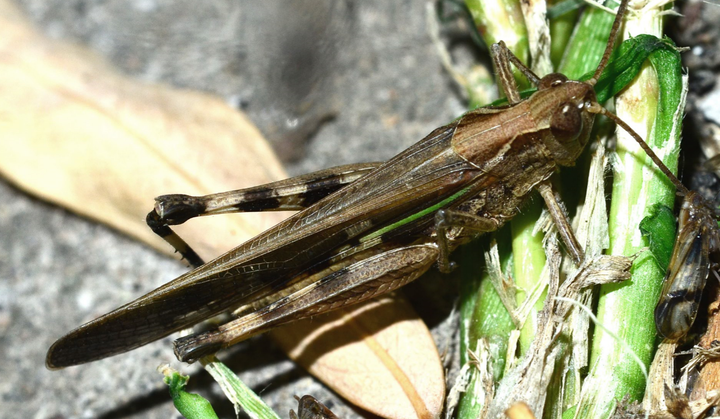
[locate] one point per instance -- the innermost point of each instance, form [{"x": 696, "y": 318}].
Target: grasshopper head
[{"x": 566, "y": 119}]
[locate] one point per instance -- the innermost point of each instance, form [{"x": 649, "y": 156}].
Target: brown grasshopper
[
  {"x": 697, "y": 241},
  {"x": 362, "y": 230}
]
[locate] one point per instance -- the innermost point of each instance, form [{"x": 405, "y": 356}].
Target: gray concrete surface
[{"x": 360, "y": 79}]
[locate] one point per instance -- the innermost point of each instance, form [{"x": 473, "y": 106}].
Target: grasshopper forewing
[
  {"x": 368, "y": 235},
  {"x": 698, "y": 239}
]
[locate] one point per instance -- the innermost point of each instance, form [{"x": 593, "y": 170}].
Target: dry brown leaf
[
  {"x": 660, "y": 378},
  {"x": 378, "y": 355},
  {"x": 76, "y": 133},
  {"x": 709, "y": 377}
]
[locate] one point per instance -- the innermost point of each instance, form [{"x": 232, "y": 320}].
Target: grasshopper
[
  {"x": 361, "y": 230},
  {"x": 698, "y": 239}
]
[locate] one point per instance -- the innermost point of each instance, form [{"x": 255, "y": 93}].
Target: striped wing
[{"x": 419, "y": 177}]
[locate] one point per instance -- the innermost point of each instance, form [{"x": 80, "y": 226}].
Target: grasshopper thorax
[
  {"x": 557, "y": 116},
  {"x": 561, "y": 107}
]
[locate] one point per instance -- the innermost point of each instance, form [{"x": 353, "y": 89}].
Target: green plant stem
[
  {"x": 502, "y": 20},
  {"x": 483, "y": 316},
  {"x": 236, "y": 391},
  {"x": 191, "y": 406},
  {"x": 653, "y": 107},
  {"x": 561, "y": 29},
  {"x": 528, "y": 263},
  {"x": 587, "y": 43}
]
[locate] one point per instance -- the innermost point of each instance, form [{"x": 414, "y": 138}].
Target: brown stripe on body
[{"x": 483, "y": 138}]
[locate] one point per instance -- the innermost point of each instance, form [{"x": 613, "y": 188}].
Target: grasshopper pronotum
[{"x": 364, "y": 229}]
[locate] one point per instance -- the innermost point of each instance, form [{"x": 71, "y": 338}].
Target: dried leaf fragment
[
  {"x": 384, "y": 360},
  {"x": 76, "y": 133},
  {"x": 708, "y": 381}
]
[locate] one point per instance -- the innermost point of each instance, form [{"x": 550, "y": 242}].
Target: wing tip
[{"x": 54, "y": 360}]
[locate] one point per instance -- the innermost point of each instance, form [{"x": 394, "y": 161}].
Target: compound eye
[
  {"x": 566, "y": 123},
  {"x": 552, "y": 80}
]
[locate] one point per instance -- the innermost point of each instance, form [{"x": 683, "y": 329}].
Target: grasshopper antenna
[
  {"x": 611, "y": 42},
  {"x": 681, "y": 189},
  {"x": 597, "y": 109}
]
